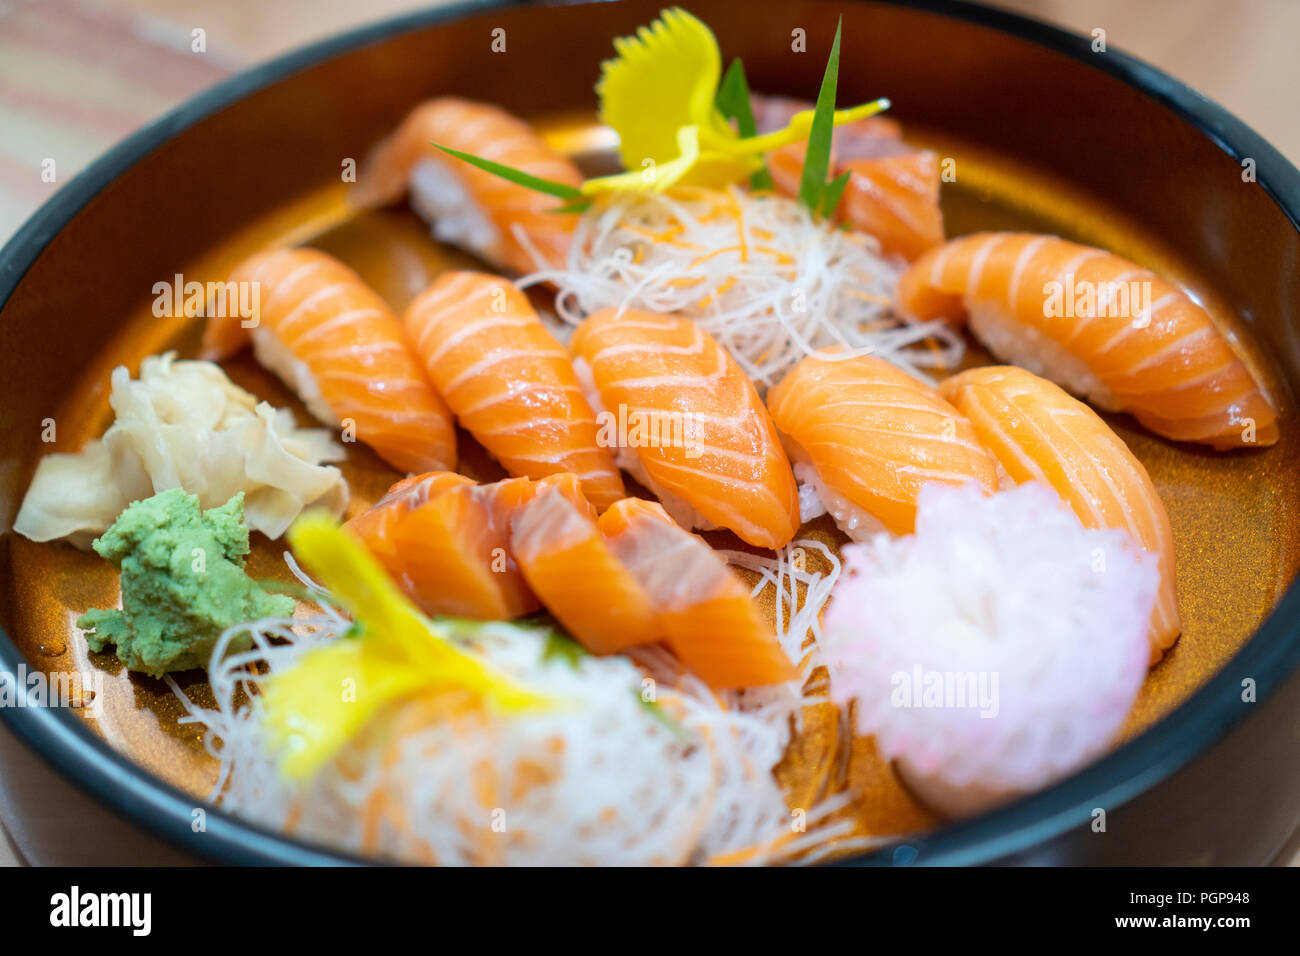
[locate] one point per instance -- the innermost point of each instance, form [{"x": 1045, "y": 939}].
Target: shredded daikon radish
[
  {"x": 607, "y": 780},
  {"x": 758, "y": 273},
  {"x": 996, "y": 649},
  {"x": 800, "y": 596}
]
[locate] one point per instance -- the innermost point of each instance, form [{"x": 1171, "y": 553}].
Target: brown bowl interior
[{"x": 1041, "y": 142}]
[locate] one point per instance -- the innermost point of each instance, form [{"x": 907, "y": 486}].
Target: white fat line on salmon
[
  {"x": 34, "y": 688},
  {"x": 650, "y": 428},
  {"x": 1111, "y": 299},
  {"x": 179, "y": 299}
]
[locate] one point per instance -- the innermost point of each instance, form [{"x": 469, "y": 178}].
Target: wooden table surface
[{"x": 76, "y": 76}]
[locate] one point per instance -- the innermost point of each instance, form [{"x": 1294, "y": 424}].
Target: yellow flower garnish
[
  {"x": 316, "y": 707},
  {"x": 660, "y": 95}
]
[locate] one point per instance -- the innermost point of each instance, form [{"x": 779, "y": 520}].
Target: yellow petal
[
  {"x": 663, "y": 79},
  {"x": 653, "y": 176},
  {"x": 323, "y": 701},
  {"x": 314, "y": 708},
  {"x": 799, "y": 127},
  {"x": 692, "y": 167},
  {"x": 717, "y": 170}
]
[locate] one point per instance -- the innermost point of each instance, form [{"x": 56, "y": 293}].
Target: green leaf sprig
[
  {"x": 815, "y": 192},
  {"x": 734, "y": 102},
  {"x": 575, "y": 201}
]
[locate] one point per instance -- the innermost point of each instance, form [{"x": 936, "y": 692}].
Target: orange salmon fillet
[
  {"x": 567, "y": 563},
  {"x": 705, "y": 437},
  {"x": 705, "y": 611},
  {"x": 875, "y": 435},
  {"x": 896, "y": 199},
  {"x": 893, "y": 189},
  {"x": 509, "y": 382},
  {"x": 455, "y": 548},
  {"x": 375, "y": 525},
  {"x": 1038, "y": 432},
  {"x": 1107, "y": 329},
  {"x": 337, "y": 344},
  {"x": 490, "y": 133}
]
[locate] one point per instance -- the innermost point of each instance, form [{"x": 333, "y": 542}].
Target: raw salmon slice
[
  {"x": 375, "y": 525},
  {"x": 455, "y": 548},
  {"x": 896, "y": 199},
  {"x": 689, "y": 424},
  {"x": 868, "y": 436},
  {"x": 510, "y": 383},
  {"x": 850, "y": 141},
  {"x": 863, "y": 139},
  {"x": 333, "y": 340},
  {"x": 705, "y": 611},
  {"x": 572, "y": 570},
  {"x": 893, "y": 189},
  {"x": 630, "y": 513},
  {"x": 1037, "y": 432},
  {"x": 500, "y": 221},
  {"x": 1106, "y": 329}
]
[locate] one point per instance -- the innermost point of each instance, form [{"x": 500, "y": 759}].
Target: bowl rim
[{"x": 1269, "y": 657}]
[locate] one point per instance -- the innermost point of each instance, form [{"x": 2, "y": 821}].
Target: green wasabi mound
[{"x": 183, "y": 583}]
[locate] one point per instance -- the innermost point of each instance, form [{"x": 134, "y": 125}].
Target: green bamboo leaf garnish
[
  {"x": 831, "y": 196},
  {"x": 578, "y": 205},
  {"x": 517, "y": 176},
  {"x": 711, "y": 140},
  {"x": 733, "y": 102},
  {"x": 817, "y": 159}
]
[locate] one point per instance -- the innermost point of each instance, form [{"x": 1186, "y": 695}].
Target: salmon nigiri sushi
[
  {"x": 454, "y": 549},
  {"x": 336, "y": 343},
  {"x": 374, "y": 526},
  {"x": 506, "y": 224},
  {"x": 1037, "y": 432},
  {"x": 894, "y": 196},
  {"x": 697, "y": 434},
  {"x": 510, "y": 383},
  {"x": 1107, "y": 330},
  {"x": 893, "y": 189},
  {"x": 866, "y": 436},
  {"x": 851, "y": 140},
  {"x": 705, "y": 611},
  {"x": 572, "y": 570}
]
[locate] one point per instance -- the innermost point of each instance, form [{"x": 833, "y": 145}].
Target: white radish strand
[
  {"x": 712, "y": 796},
  {"x": 603, "y": 781},
  {"x": 941, "y": 639},
  {"x": 758, "y": 272},
  {"x": 800, "y": 596}
]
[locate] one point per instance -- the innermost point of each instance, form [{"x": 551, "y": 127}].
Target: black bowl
[{"x": 1215, "y": 781}]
